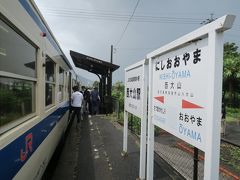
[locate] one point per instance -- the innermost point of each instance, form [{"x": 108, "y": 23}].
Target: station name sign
[
  {"x": 180, "y": 91},
  {"x": 133, "y": 88}
]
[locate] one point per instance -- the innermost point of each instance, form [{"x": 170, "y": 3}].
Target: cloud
[{"x": 94, "y": 36}]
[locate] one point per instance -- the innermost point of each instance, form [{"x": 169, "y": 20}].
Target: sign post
[
  {"x": 136, "y": 81},
  {"x": 185, "y": 91},
  {"x": 125, "y": 133}
]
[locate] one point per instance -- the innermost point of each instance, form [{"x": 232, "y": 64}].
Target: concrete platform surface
[{"x": 92, "y": 151}]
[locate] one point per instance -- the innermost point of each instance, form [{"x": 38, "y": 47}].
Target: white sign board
[
  {"x": 136, "y": 81},
  {"x": 185, "y": 92},
  {"x": 180, "y": 92},
  {"x": 133, "y": 89}
]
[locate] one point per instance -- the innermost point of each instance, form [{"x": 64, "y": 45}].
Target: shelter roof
[{"x": 92, "y": 64}]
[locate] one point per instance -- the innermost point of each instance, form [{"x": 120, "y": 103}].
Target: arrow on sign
[
  {"x": 160, "y": 98},
  {"x": 187, "y": 104}
]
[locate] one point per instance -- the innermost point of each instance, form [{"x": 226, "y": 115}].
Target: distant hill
[{"x": 85, "y": 81}]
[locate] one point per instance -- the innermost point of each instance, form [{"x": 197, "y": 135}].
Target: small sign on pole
[
  {"x": 185, "y": 92},
  {"x": 136, "y": 81}
]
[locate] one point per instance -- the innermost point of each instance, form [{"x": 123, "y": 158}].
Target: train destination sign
[{"x": 179, "y": 92}]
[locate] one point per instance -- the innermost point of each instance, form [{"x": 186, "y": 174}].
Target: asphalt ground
[
  {"x": 233, "y": 132},
  {"x": 92, "y": 151}
]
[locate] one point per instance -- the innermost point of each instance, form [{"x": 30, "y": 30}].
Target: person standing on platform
[
  {"x": 95, "y": 100},
  {"x": 89, "y": 102},
  {"x": 223, "y": 120},
  {"x": 77, "y": 99},
  {"x": 86, "y": 96},
  {"x": 86, "y": 100}
]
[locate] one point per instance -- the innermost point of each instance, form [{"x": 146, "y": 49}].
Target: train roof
[{"x": 42, "y": 24}]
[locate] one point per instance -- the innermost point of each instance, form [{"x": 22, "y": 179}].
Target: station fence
[{"x": 183, "y": 157}]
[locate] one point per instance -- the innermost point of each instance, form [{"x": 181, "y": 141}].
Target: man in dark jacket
[{"x": 95, "y": 100}]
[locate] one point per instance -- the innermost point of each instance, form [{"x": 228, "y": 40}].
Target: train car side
[{"x": 35, "y": 84}]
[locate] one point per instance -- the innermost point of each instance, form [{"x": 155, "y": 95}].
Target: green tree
[
  {"x": 95, "y": 84},
  {"x": 118, "y": 93},
  {"x": 231, "y": 72}
]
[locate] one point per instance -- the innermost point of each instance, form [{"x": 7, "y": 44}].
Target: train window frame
[
  {"x": 21, "y": 61},
  {"x": 51, "y": 83},
  {"x": 61, "y": 89},
  {"x": 16, "y": 122},
  {"x": 18, "y": 77},
  {"x": 17, "y": 30}
]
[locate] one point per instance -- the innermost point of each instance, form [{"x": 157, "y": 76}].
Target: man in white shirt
[{"x": 77, "y": 99}]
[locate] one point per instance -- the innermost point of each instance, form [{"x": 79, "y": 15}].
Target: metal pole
[
  {"x": 111, "y": 59},
  {"x": 150, "y": 132},
  {"x": 195, "y": 164},
  {"x": 143, "y": 132},
  {"x": 125, "y": 133},
  {"x": 212, "y": 150},
  {"x": 110, "y": 74}
]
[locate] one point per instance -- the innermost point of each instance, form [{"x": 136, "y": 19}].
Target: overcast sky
[{"x": 91, "y": 26}]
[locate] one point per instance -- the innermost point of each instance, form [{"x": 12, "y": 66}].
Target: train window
[
  {"x": 61, "y": 76},
  {"x": 61, "y": 84},
  {"x": 68, "y": 85},
  {"x": 74, "y": 82},
  {"x": 50, "y": 81},
  {"x": 17, "y": 99},
  {"x": 50, "y": 66},
  {"x": 17, "y": 55}
]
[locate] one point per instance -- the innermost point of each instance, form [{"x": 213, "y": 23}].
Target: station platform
[{"x": 93, "y": 152}]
